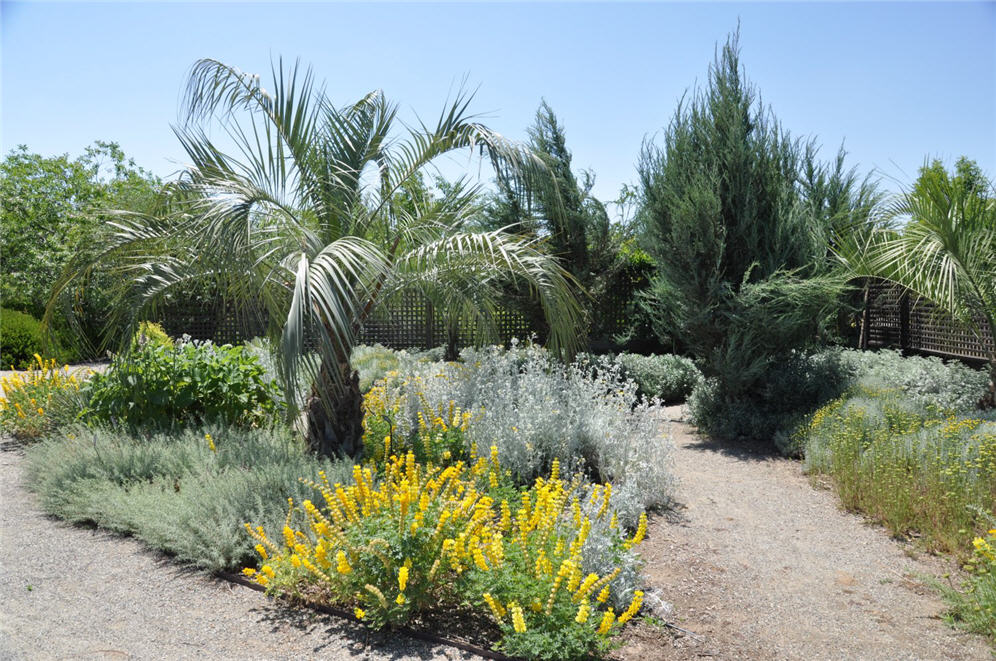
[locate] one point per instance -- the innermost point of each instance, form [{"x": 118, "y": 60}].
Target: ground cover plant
[
  {"x": 916, "y": 469},
  {"x": 906, "y": 445},
  {"x": 535, "y": 410},
  {"x": 186, "y": 492}
]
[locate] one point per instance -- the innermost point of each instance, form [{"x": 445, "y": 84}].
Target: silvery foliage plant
[{"x": 535, "y": 409}]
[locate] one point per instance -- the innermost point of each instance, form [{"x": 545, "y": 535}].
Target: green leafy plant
[
  {"x": 159, "y": 386},
  {"x": 974, "y": 607},
  {"x": 20, "y": 339}
]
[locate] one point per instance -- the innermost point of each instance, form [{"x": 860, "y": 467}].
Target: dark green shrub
[
  {"x": 20, "y": 339},
  {"x": 670, "y": 378},
  {"x": 737, "y": 214},
  {"x": 159, "y": 386},
  {"x": 793, "y": 388}
]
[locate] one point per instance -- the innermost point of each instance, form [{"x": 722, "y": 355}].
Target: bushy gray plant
[
  {"x": 924, "y": 380},
  {"x": 667, "y": 377},
  {"x": 175, "y": 492},
  {"x": 535, "y": 409}
]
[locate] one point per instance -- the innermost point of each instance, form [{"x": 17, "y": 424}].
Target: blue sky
[{"x": 895, "y": 81}]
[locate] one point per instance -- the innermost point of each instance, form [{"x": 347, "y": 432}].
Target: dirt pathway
[{"x": 763, "y": 566}]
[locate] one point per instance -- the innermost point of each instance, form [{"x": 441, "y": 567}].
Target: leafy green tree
[
  {"x": 314, "y": 218},
  {"x": 938, "y": 240},
  {"x": 51, "y": 209},
  {"x": 736, "y": 213}
]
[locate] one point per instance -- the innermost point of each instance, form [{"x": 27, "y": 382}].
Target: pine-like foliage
[{"x": 740, "y": 246}]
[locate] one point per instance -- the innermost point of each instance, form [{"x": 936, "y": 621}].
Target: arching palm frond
[{"x": 939, "y": 242}]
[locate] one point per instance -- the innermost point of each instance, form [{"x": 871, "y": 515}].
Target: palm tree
[
  {"x": 303, "y": 220},
  {"x": 939, "y": 242}
]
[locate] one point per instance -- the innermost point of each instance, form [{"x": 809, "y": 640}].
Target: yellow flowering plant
[
  {"x": 406, "y": 538},
  {"x": 27, "y": 409},
  {"x": 440, "y": 437}
]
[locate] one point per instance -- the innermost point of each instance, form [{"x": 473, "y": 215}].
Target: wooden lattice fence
[{"x": 896, "y": 318}]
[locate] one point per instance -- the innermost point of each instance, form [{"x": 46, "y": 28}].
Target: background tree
[
  {"x": 50, "y": 210},
  {"x": 557, "y": 205},
  {"x": 314, "y": 218},
  {"x": 736, "y": 213},
  {"x": 938, "y": 240}
]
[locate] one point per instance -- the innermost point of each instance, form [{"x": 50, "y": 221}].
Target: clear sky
[{"x": 895, "y": 81}]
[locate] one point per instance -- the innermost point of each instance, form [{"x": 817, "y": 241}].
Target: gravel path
[
  {"x": 70, "y": 592},
  {"x": 763, "y": 566}
]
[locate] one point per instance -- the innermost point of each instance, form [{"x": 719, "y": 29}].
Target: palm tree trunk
[{"x": 334, "y": 426}]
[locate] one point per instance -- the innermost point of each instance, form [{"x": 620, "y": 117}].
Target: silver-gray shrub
[
  {"x": 173, "y": 491},
  {"x": 925, "y": 381},
  {"x": 535, "y": 409},
  {"x": 668, "y": 377}
]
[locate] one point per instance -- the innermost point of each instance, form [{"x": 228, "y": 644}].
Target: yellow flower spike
[
  {"x": 614, "y": 522},
  {"x": 261, "y": 550},
  {"x": 586, "y": 586},
  {"x": 342, "y": 563},
  {"x": 403, "y": 577},
  {"x": 249, "y": 571},
  {"x": 479, "y": 559},
  {"x": 518, "y": 621},
  {"x": 295, "y": 560},
  {"x": 289, "y": 538},
  {"x": 641, "y": 531},
  {"x": 584, "y": 611},
  {"x": 603, "y": 595},
  {"x": 400, "y": 599},
  {"x": 555, "y": 470},
  {"x": 267, "y": 570},
  {"x": 372, "y": 589},
  {"x": 605, "y": 501},
  {"x": 634, "y": 607},
  {"x": 359, "y": 613},
  {"x": 496, "y": 608},
  {"x": 262, "y": 580},
  {"x": 606, "y": 624}
]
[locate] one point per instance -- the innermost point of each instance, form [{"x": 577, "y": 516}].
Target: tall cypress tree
[{"x": 740, "y": 249}]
